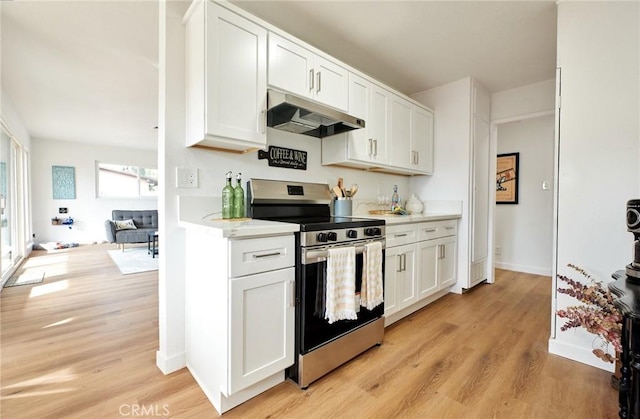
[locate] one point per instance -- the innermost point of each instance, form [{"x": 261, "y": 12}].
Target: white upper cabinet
[
  {"x": 297, "y": 70},
  {"x": 378, "y": 123},
  {"x": 226, "y": 79},
  {"x": 400, "y": 133},
  {"x": 422, "y": 140},
  {"x": 366, "y": 146},
  {"x": 411, "y": 137}
]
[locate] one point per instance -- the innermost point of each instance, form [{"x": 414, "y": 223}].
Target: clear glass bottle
[
  {"x": 238, "y": 198},
  {"x": 395, "y": 199},
  {"x": 227, "y": 198}
]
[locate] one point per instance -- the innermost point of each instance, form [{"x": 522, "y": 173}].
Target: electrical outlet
[
  {"x": 186, "y": 177},
  {"x": 498, "y": 250}
]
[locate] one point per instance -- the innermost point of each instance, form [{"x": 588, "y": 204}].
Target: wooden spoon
[{"x": 337, "y": 191}]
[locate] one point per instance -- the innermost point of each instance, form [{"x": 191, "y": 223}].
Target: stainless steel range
[{"x": 320, "y": 346}]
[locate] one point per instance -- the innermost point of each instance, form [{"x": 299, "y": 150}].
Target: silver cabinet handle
[
  {"x": 293, "y": 292},
  {"x": 264, "y": 121},
  {"x": 371, "y": 147},
  {"x": 319, "y": 82},
  {"x": 400, "y": 235},
  {"x": 417, "y": 157},
  {"x": 266, "y": 255},
  {"x": 443, "y": 251},
  {"x": 449, "y": 228},
  {"x": 375, "y": 143},
  {"x": 431, "y": 230},
  {"x": 399, "y": 264},
  {"x": 311, "y": 80}
]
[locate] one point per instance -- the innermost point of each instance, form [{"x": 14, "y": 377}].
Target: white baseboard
[
  {"x": 523, "y": 268},
  {"x": 170, "y": 364},
  {"x": 579, "y": 354}
]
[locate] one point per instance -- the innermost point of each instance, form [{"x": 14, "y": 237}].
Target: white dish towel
[
  {"x": 371, "y": 290},
  {"x": 341, "y": 285}
]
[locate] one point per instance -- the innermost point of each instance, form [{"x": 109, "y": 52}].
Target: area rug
[
  {"x": 25, "y": 278},
  {"x": 134, "y": 260}
]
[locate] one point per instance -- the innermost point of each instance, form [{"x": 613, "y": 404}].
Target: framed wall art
[
  {"x": 507, "y": 178},
  {"x": 64, "y": 182}
]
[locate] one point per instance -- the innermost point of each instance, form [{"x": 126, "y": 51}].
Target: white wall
[
  {"x": 524, "y": 100},
  {"x": 212, "y": 165},
  {"x": 524, "y": 232},
  {"x": 599, "y": 146},
  {"x": 451, "y": 104},
  {"x": 13, "y": 120},
  {"x": 88, "y": 211}
]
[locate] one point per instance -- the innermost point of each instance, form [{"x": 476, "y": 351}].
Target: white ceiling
[{"x": 87, "y": 71}]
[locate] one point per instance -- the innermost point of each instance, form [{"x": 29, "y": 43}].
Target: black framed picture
[{"x": 507, "y": 169}]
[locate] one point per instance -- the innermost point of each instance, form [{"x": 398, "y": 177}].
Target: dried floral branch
[{"x": 598, "y": 315}]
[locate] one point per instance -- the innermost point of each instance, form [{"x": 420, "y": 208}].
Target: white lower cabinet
[
  {"x": 400, "y": 286},
  {"x": 240, "y": 308},
  {"x": 261, "y": 327},
  {"x": 420, "y": 266}
]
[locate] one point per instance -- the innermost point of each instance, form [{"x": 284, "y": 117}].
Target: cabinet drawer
[
  {"x": 401, "y": 234},
  {"x": 250, "y": 256},
  {"x": 437, "y": 229},
  {"x": 448, "y": 228}
]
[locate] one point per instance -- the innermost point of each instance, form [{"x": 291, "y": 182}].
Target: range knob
[
  {"x": 332, "y": 236},
  {"x": 372, "y": 231},
  {"x": 352, "y": 234},
  {"x": 322, "y": 237}
]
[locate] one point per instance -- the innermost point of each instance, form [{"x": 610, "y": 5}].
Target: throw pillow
[{"x": 125, "y": 225}]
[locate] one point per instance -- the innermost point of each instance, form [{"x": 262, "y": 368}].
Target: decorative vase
[{"x": 414, "y": 205}]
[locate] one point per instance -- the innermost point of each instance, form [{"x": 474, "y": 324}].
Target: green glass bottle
[
  {"x": 227, "y": 198},
  {"x": 238, "y": 198}
]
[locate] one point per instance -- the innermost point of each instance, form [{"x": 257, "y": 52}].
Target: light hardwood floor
[{"x": 82, "y": 345}]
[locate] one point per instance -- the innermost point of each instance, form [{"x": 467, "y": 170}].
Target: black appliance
[
  {"x": 320, "y": 347},
  {"x": 633, "y": 225}
]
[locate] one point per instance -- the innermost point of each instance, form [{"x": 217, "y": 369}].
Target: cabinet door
[
  {"x": 480, "y": 194},
  {"x": 290, "y": 66},
  {"x": 400, "y": 133},
  {"x": 391, "y": 271},
  {"x": 422, "y": 140},
  {"x": 360, "y": 144},
  {"x": 406, "y": 276},
  {"x": 331, "y": 85},
  {"x": 261, "y": 329},
  {"x": 447, "y": 262},
  {"x": 428, "y": 271},
  {"x": 378, "y": 123},
  {"x": 236, "y": 77}
]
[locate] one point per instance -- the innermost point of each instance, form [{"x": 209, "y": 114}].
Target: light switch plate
[{"x": 186, "y": 177}]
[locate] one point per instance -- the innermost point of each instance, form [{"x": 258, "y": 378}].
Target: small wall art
[
  {"x": 507, "y": 178},
  {"x": 64, "y": 182}
]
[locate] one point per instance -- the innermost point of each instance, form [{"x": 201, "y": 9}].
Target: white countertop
[
  {"x": 197, "y": 212},
  {"x": 202, "y": 213},
  {"x": 418, "y": 218}
]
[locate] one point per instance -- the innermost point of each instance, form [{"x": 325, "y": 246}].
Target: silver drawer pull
[
  {"x": 400, "y": 235},
  {"x": 430, "y": 230},
  {"x": 266, "y": 255},
  {"x": 449, "y": 228}
]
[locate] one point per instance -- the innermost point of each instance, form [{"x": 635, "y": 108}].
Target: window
[{"x": 122, "y": 181}]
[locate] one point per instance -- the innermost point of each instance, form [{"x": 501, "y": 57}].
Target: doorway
[{"x": 523, "y": 232}]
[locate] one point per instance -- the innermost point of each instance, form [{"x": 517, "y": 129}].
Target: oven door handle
[{"x": 320, "y": 254}]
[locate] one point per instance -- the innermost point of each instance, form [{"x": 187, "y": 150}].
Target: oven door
[{"x": 314, "y": 330}]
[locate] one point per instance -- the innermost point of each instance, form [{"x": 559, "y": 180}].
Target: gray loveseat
[{"x": 145, "y": 221}]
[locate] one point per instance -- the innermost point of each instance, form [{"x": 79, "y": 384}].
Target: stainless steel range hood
[{"x": 292, "y": 113}]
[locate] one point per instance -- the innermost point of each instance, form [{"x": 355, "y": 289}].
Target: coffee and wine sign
[{"x": 284, "y": 157}]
